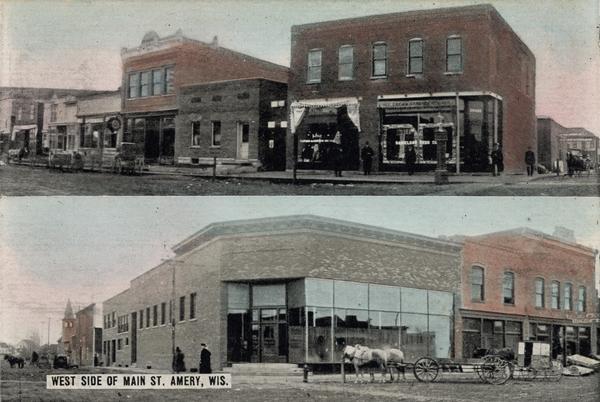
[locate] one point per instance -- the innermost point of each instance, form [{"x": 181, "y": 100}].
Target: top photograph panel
[{"x": 299, "y": 98}]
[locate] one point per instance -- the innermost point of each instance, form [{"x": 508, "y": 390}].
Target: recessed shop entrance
[{"x": 269, "y": 335}]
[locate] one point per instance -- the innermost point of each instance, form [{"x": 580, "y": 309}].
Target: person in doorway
[
  {"x": 410, "y": 157},
  {"x": 497, "y": 162},
  {"x": 366, "y": 154},
  {"x": 204, "y": 367},
  {"x": 178, "y": 361},
  {"x": 530, "y": 161}
]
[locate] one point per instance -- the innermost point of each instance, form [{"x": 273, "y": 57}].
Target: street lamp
[{"x": 441, "y": 137}]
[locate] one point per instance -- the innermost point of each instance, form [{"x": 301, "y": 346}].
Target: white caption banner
[{"x": 138, "y": 381}]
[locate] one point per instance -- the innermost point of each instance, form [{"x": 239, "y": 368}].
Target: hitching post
[
  {"x": 441, "y": 172},
  {"x": 342, "y": 369}
]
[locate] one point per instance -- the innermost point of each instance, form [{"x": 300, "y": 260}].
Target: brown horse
[
  {"x": 13, "y": 360},
  {"x": 364, "y": 358}
]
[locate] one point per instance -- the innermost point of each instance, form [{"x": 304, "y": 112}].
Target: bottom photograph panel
[{"x": 311, "y": 288}]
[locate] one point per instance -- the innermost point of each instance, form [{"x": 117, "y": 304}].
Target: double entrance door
[{"x": 269, "y": 335}]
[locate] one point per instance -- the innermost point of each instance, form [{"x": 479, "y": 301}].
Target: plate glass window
[
  {"x": 346, "y": 63},
  {"x": 379, "y": 60},
  {"x": 415, "y": 56},
  {"x": 315, "y": 58},
  {"x": 454, "y": 56}
]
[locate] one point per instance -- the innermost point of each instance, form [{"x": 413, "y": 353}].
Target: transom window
[
  {"x": 508, "y": 288},
  {"x": 539, "y": 292},
  {"x": 379, "y": 60},
  {"x": 415, "y": 56},
  {"x": 567, "y": 303},
  {"x": 477, "y": 284},
  {"x": 315, "y": 60},
  {"x": 346, "y": 63},
  {"x": 555, "y": 303},
  {"x": 454, "y": 55}
]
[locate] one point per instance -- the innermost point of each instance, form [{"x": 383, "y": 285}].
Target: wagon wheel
[
  {"x": 496, "y": 370},
  {"x": 426, "y": 369}
]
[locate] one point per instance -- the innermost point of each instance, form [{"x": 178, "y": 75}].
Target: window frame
[
  {"x": 194, "y": 134},
  {"x": 409, "y": 57},
  {"x": 309, "y": 67},
  {"x": 554, "y": 297},
  {"x": 512, "y": 275},
  {"x": 213, "y": 124},
  {"x": 581, "y": 301},
  {"x": 181, "y": 308},
  {"x": 193, "y": 298},
  {"x": 482, "y": 285},
  {"x": 340, "y": 64},
  {"x": 568, "y": 307},
  {"x": 461, "y": 54},
  {"x": 373, "y": 60},
  {"x": 543, "y": 293}
]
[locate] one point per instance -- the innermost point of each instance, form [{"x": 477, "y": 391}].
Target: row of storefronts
[{"x": 345, "y": 284}]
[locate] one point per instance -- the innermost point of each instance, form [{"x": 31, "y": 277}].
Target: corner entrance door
[
  {"x": 269, "y": 335},
  {"x": 243, "y": 140}
]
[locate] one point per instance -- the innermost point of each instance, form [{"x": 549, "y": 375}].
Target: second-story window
[
  {"x": 568, "y": 299},
  {"x": 157, "y": 82},
  {"x": 454, "y": 55},
  {"x": 193, "y": 305},
  {"x": 169, "y": 74},
  {"x": 134, "y": 83},
  {"x": 379, "y": 60},
  {"x": 477, "y": 284},
  {"x": 555, "y": 303},
  {"x": 145, "y": 83},
  {"x": 182, "y": 308},
  {"x": 346, "y": 63},
  {"x": 315, "y": 60},
  {"x": 508, "y": 288},
  {"x": 539, "y": 293},
  {"x": 415, "y": 56},
  {"x": 53, "y": 108},
  {"x": 581, "y": 299}
]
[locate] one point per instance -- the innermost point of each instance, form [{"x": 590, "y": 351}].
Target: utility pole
[{"x": 48, "y": 332}]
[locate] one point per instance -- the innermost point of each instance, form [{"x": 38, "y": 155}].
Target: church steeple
[{"x": 69, "y": 310}]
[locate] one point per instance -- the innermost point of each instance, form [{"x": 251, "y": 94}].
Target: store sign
[{"x": 420, "y": 104}]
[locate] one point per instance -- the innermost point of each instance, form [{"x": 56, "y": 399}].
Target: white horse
[
  {"x": 395, "y": 358},
  {"x": 365, "y": 358}
]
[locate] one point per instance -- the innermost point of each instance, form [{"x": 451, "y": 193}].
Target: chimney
[{"x": 215, "y": 42}]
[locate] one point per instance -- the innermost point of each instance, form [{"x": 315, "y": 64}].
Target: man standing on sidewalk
[
  {"x": 204, "y": 360},
  {"x": 530, "y": 161},
  {"x": 366, "y": 154}
]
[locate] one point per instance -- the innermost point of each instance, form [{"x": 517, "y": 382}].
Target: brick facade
[
  {"x": 264, "y": 250},
  {"x": 488, "y": 44},
  {"x": 256, "y": 102},
  {"x": 529, "y": 255}
]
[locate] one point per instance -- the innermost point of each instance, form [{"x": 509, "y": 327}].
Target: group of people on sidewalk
[{"x": 204, "y": 366}]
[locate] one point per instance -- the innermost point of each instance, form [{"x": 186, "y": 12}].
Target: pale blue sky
[
  {"x": 76, "y": 43},
  {"x": 89, "y": 248}
]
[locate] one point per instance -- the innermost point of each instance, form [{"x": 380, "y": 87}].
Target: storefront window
[
  {"x": 383, "y": 297},
  {"x": 439, "y": 330},
  {"x": 268, "y": 295},
  {"x": 351, "y": 295},
  {"x": 238, "y": 296},
  {"x": 415, "y": 338},
  {"x": 440, "y": 302},
  {"x": 413, "y": 300},
  {"x": 319, "y": 292}
]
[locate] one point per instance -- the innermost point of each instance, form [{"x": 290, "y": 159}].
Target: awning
[
  {"x": 16, "y": 129},
  {"x": 298, "y": 109}
]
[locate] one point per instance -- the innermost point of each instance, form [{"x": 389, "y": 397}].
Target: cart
[
  {"x": 534, "y": 361},
  {"x": 129, "y": 159},
  {"x": 491, "y": 369}
]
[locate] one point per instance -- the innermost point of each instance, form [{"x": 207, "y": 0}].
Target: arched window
[
  {"x": 555, "y": 295},
  {"x": 568, "y": 299},
  {"x": 508, "y": 288},
  {"x": 539, "y": 293},
  {"x": 581, "y": 299},
  {"x": 477, "y": 284}
]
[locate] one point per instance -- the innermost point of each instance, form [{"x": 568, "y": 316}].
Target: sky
[
  {"x": 76, "y": 43},
  {"x": 88, "y": 249}
]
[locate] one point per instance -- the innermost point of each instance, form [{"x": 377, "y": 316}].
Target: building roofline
[
  {"x": 200, "y": 84},
  {"x": 304, "y": 222},
  {"x": 528, "y": 232}
]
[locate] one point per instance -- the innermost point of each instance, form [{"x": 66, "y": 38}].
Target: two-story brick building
[
  {"x": 523, "y": 284},
  {"x": 289, "y": 289},
  {"x": 385, "y": 78},
  {"x": 155, "y": 72}
]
